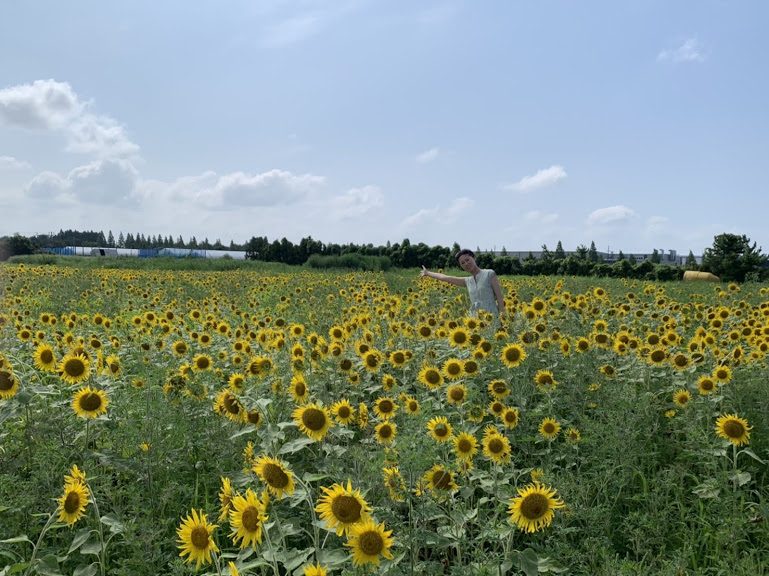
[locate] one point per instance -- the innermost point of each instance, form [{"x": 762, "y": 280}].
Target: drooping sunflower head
[
  {"x": 342, "y": 507},
  {"x": 313, "y": 420},
  {"x": 9, "y": 383}
]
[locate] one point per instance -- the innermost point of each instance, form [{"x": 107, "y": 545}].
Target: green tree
[
  {"x": 691, "y": 262},
  {"x": 559, "y": 252},
  {"x": 655, "y": 257},
  {"x": 732, "y": 257}
]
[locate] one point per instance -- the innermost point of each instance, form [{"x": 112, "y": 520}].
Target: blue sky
[{"x": 634, "y": 124}]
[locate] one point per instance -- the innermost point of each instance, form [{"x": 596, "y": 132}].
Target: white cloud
[
  {"x": 439, "y": 215},
  {"x": 541, "y": 217},
  {"x": 610, "y": 215},
  {"x": 11, "y": 163},
  {"x": 690, "y": 51},
  {"x": 357, "y": 202},
  {"x": 54, "y": 106},
  {"x": 544, "y": 177},
  {"x": 427, "y": 156},
  {"x": 110, "y": 181}
]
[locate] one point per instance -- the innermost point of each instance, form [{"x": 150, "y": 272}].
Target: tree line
[{"x": 732, "y": 256}]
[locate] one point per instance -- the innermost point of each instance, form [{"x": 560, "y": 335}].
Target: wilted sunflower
[
  {"x": 194, "y": 538},
  {"x": 73, "y": 502},
  {"x": 496, "y": 448},
  {"x": 456, "y": 394},
  {"x": 74, "y": 368},
  {"x": 385, "y": 407},
  {"x": 498, "y": 389},
  {"x": 393, "y": 481},
  {"x": 439, "y": 479},
  {"x": 90, "y": 402},
  {"x": 734, "y": 429},
  {"x": 368, "y": 541},
  {"x": 44, "y": 358},
  {"x": 385, "y": 432},
  {"x": 275, "y": 474},
  {"x": 440, "y": 429},
  {"x": 247, "y": 518},
  {"x": 313, "y": 420},
  {"x": 706, "y": 385},
  {"x": 225, "y": 499},
  {"x": 533, "y": 508},
  {"x": 682, "y": 397},
  {"x": 549, "y": 428},
  {"x": 343, "y": 412},
  {"x": 9, "y": 383},
  {"x": 431, "y": 377},
  {"x": 513, "y": 355},
  {"x": 228, "y": 405},
  {"x": 573, "y": 435},
  {"x": 342, "y": 507},
  {"x": 465, "y": 446}
]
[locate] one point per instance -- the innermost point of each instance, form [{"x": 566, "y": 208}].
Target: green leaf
[
  {"x": 295, "y": 445},
  {"x": 308, "y": 477},
  {"x": 89, "y": 570},
  {"x": 708, "y": 489},
  {"x": 115, "y": 525},
  {"x": 48, "y": 566},
  {"x": 91, "y": 547},
  {"x": 243, "y": 432},
  {"x": 22, "y": 538},
  {"x": 80, "y": 537},
  {"x": 752, "y": 454},
  {"x": 529, "y": 562},
  {"x": 741, "y": 478},
  {"x": 14, "y": 568}
]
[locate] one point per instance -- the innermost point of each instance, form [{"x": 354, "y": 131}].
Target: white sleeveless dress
[{"x": 481, "y": 293}]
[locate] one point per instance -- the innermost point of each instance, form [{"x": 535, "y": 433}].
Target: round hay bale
[{"x": 692, "y": 275}]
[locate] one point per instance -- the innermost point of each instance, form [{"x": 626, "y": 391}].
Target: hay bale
[{"x": 691, "y": 275}]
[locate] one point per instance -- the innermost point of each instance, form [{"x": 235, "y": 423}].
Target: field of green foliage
[{"x": 263, "y": 420}]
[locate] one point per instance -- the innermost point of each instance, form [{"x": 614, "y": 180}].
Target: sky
[{"x": 637, "y": 125}]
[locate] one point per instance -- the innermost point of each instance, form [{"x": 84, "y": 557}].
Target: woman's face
[{"x": 467, "y": 263}]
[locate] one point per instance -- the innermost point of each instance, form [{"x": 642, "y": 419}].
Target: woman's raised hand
[{"x": 423, "y": 272}]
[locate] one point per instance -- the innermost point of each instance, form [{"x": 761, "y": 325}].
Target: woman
[{"x": 482, "y": 286}]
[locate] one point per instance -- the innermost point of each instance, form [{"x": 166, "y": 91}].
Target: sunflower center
[
  {"x": 500, "y": 387},
  {"x": 433, "y": 377},
  {"x": 548, "y": 428},
  {"x": 344, "y": 412},
  {"x": 300, "y": 389},
  {"x": 385, "y": 432},
  {"x": 385, "y": 406},
  {"x": 707, "y": 385},
  {"x": 199, "y": 537},
  {"x": 464, "y": 445},
  {"x": 734, "y": 429},
  {"x": 74, "y": 367},
  {"x": 251, "y": 519},
  {"x": 441, "y": 430},
  {"x": 254, "y": 417},
  {"x": 496, "y": 446},
  {"x": 6, "y": 382},
  {"x": 371, "y": 543},
  {"x": 442, "y": 479},
  {"x": 46, "y": 356},
  {"x": 534, "y": 506},
  {"x": 512, "y": 355},
  {"x": 275, "y": 476},
  {"x": 72, "y": 502},
  {"x": 202, "y": 363},
  {"x": 90, "y": 402},
  {"x": 231, "y": 404},
  {"x": 453, "y": 369},
  {"x": 511, "y": 417},
  {"x": 457, "y": 394},
  {"x": 346, "y": 509},
  {"x": 314, "y": 419}
]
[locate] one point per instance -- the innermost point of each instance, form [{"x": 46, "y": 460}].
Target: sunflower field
[{"x": 298, "y": 422}]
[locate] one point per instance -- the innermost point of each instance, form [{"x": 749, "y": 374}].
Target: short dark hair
[{"x": 463, "y": 252}]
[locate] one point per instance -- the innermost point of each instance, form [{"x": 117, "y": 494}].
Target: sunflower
[
  {"x": 112, "y": 366},
  {"x": 680, "y": 361},
  {"x": 722, "y": 374},
  {"x": 368, "y": 541},
  {"x": 393, "y": 481},
  {"x": 411, "y": 405},
  {"x": 342, "y": 507},
  {"x": 439, "y": 480},
  {"x": 299, "y": 389},
  {"x": 453, "y": 369},
  {"x": 362, "y": 415},
  {"x": 682, "y": 397},
  {"x": 706, "y": 385},
  {"x": 734, "y": 429},
  {"x": 73, "y": 502},
  {"x": 44, "y": 358},
  {"x": 549, "y": 428},
  {"x": 314, "y": 570},
  {"x": 459, "y": 337},
  {"x": 90, "y": 402},
  {"x": 343, "y": 412},
  {"x": 533, "y": 508},
  {"x": 456, "y": 394},
  {"x": 313, "y": 420},
  {"x": 372, "y": 360},
  {"x": 498, "y": 389},
  {"x": 573, "y": 435},
  {"x": 179, "y": 347},
  {"x": 465, "y": 446},
  {"x": 9, "y": 383},
  {"x": 657, "y": 356},
  {"x": 385, "y": 432},
  {"x": 431, "y": 377},
  {"x": 275, "y": 474},
  {"x": 496, "y": 448},
  {"x": 227, "y": 404},
  {"x": 388, "y": 381},
  {"x": 385, "y": 407},
  {"x": 74, "y": 368},
  {"x": 440, "y": 429},
  {"x": 225, "y": 499},
  {"x": 247, "y": 518},
  {"x": 544, "y": 380},
  {"x": 397, "y": 358},
  {"x": 510, "y": 417},
  {"x": 513, "y": 355},
  {"x": 497, "y": 408},
  {"x": 195, "y": 539},
  {"x": 201, "y": 363}
]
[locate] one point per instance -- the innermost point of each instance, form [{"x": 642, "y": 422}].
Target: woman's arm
[{"x": 455, "y": 280}]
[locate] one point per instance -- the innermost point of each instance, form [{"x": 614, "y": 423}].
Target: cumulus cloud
[
  {"x": 54, "y": 106},
  {"x": 541, "y": 217},
  {"x": 439, "y": 214},
  {"x": 11, "y": 163},
  {"x": 543, "y": 178},
  {"x": 357, "y": 202},
  {"x": 610, "y": 215},
  {"x": 427, "y": 156},
  {"x": 690, "y": 51},
  {"x": 109, "y": 181}
]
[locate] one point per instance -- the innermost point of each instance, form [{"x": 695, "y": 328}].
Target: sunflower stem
[
  {"x": 103, "y": 551},
  {"x": 216, "y": 563},
  {"x": 273, "y": 561},
  {"x": 39, "y": 540}
]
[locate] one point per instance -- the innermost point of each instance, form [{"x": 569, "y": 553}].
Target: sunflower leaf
[
  {"x": 752, "y": 454},
  {"x": 295, "y": 445},
  {"x": 79, "y": 539},
  {"x": 115, "y": 525},
  {"x": 89, "y": 570},
  {"x": 22, "y": 538}
]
